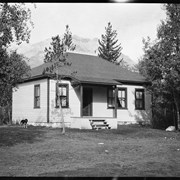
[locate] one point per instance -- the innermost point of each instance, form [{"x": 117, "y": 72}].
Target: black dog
[{"x": 24, "y": 123}]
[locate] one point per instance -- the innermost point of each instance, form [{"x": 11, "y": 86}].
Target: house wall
[
  {"x": 23, "y": 106},
  {"x": 74, "y": 104},
  {"x": 130, "y": 115},
  {"x": 23, "y": 102},
  {"x": 100, "y": 110}
]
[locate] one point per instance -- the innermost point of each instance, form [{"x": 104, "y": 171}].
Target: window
[
  {"x": 63, "y": 94},
  {"x": 122, "y": 98},
  {"x": 139, "y": 99},
  {"x": 37, "y": 96},
  {"x": 110, "y": 97}
]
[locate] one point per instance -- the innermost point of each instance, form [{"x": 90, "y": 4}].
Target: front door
[{"x": 87, "y": 101}]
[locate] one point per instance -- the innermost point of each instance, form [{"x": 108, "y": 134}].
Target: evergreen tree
[
  {"x": 161, "y": 60},
  {"x": 108, "y": 47}
]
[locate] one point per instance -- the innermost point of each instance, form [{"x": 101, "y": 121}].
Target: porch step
[
  {"x": 99, "y": 124},
  {"x": 97, "y": 120}
]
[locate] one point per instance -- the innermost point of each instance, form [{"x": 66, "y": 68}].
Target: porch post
[
  {"x": 81, "y": 100},
  {"x": 115, "y": 102}
]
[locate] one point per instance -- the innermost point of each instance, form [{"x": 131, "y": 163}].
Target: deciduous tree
[
  {"x": 15, "y": 27},
  {"x": 56, "y": 55},
  {"x": 161, "y": 60},
  {"x": 15, "y": 23}
]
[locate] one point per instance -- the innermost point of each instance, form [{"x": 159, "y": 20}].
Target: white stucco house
[{"x": 100, "y": 92}]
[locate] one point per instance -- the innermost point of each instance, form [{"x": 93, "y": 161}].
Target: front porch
[
  {"x": 94, "y": 110},
  {"x": 95, "y": 102}
]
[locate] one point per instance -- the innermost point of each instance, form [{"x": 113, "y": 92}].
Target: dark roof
[{"x": 92, "y": 69}]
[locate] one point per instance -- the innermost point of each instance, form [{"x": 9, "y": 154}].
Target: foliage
[
  {"x": 15, "y": 23},
  {"x": 68, "y": 39},
  {"x": 56, "y": 55},
  {"x": 161, "y": 61},
  {"x": 108, "y": 47},
  {"x": 15, "y": 26},
  {"x": 13, "y": 68},
  {"x": 58, "y": 48}
]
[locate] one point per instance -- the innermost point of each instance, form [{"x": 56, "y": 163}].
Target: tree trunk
[
  {"x": 165, "y": 116},
  {"x": 62, "y": 116},
  {"x": 174, "y": 116},
  {"x": 61, "y": 111},
  {"x": 178, "y": 116},
  {"x": 177, "y": 110}
]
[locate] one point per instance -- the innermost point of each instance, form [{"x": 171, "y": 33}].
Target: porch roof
[
  {"x": 98, "y": 81},
  {"x": 93, "y": 69}
]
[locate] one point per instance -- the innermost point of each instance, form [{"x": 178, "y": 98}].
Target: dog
[{"x": 24, "y": 123}]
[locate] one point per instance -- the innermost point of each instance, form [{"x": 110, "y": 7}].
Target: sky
[{"x": 132, "y": 21}]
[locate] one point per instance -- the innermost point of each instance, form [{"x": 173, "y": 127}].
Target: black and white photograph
[{"x": 89, "y": 89}]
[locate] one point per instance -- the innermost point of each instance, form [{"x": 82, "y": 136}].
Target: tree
[
  {"x": 161, "y": 61},
  {"x": 57, "y": 57},
  {"x": 108, "y": 48},
  {"x": 13, "y": 69},
  {"x": 68, "y": 39},
  {"x": 15, "y": 23},
  {"x": 15, "y": 26}
]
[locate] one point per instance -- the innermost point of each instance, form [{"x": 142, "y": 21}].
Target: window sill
[
  {"x": 110, "y": 107},
  {"x": 57, "y": 107},
  {"x": 117, "y": 108},
  {"x": 36, "y": 107}
]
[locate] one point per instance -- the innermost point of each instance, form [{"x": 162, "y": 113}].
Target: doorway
[{"x": 87, "y": 101}]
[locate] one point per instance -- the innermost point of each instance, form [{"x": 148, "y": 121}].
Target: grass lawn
[{"x": 127, "y": 151}]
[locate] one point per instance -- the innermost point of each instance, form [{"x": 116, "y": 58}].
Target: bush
[{"x": 5, "y": 115}]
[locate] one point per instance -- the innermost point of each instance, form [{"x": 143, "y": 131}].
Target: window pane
[
  {"x": 119, "y": 93},
  {"x": 139, "y": 101},
  {"x": 121, "y": 98},
  {"x": 110, "y": 102},
  {"x": 123, "y": 104},
  {"x": 38, "y": 102},
  {"x": 119, "y": 102},
  {"x": 63, "y": 101},
  {"x": 37, "y": 91},
  {"x": 139, "y": 94},
  {"x": 123, "y": 93},
  {"x": 63, "y": 95},
  {"x": 139, "y": 104},
  {"x": 62, "y": 91},
  {"x": 110, "y": 92}
]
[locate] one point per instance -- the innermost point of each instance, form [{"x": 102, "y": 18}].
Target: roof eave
[{"x": 132, "y": 82}]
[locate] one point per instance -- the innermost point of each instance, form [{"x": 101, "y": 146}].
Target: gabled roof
[{"x": 93, "y": 69}]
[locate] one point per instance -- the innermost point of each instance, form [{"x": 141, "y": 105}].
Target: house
[{"x": 99, "y": 92}]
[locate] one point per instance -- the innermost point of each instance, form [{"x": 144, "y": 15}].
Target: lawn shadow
[{"x": 12, "y": 135}]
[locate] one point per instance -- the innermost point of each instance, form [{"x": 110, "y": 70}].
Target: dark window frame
[
  {"x": 140, "y": 99},
  {"x": 112, "y": 98},
  {"x": 67, "y": 95},
  {"x": 36, "y": 96},
  {"x": 124, "y": 98}
]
